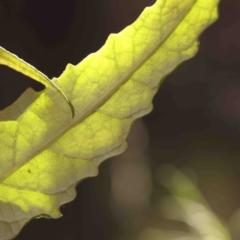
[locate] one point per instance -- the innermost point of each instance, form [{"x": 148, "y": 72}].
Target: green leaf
[
  {"x": 192, "y": 208},
  {"x": 44, "y": 153},
  {"x": 158, "y": 234},
  {"x": 187, "y": 205},
  {"x": 11, "y": 60}
]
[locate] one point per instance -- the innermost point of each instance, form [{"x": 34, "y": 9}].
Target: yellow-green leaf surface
[
  {"x": 44, "y": 152},
  {"x": 11, "y": 60}
]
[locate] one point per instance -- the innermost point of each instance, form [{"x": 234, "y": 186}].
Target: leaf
[
  {"x": 187, "y": 205},
  {"x": 192, "y": 208},
  {"x": 45, "y": 153},
  {"x": 11, "y": 60},
  {"x": 158, "y": 234}
]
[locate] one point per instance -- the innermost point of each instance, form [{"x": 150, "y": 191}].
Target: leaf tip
[{"x": 72, "y": 109}]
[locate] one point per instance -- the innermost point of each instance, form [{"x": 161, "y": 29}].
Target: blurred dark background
[{"x": 194, "y": 124}]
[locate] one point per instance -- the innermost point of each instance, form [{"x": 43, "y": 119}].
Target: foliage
[
  {"x": 12, "y": 61},
  {"x": 45, "y": 153}
]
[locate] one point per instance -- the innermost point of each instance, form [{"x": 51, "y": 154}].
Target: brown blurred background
[{"x": 194, "y": 124}]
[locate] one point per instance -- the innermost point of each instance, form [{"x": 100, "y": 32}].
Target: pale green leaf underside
[
  {"x": 11, "y": 60},
  {"x": 44, "y": 152}
]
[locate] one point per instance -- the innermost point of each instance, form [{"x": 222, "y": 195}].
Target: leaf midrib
[{"x": 98, "y": 103}]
